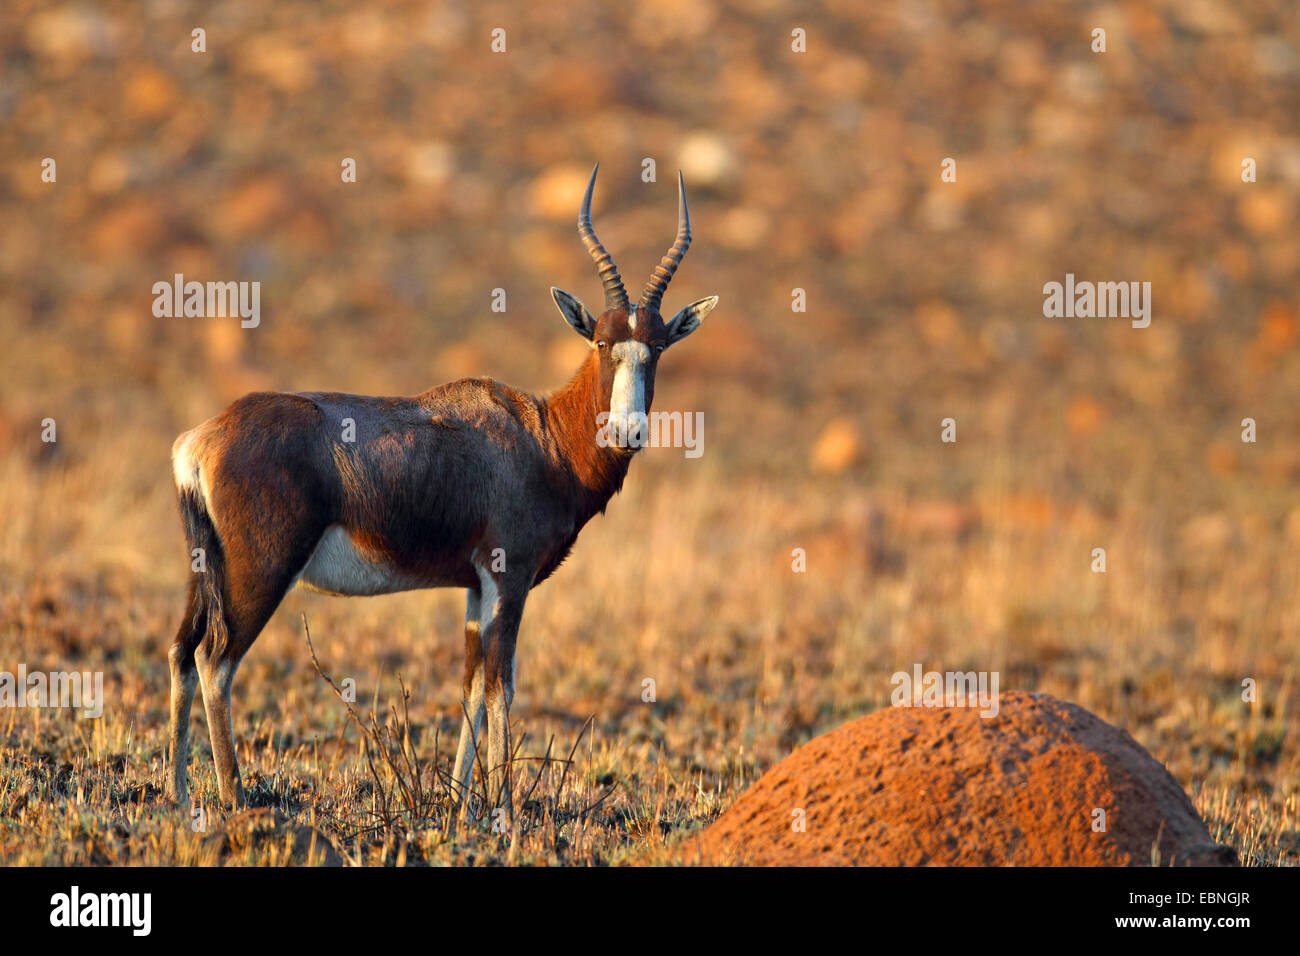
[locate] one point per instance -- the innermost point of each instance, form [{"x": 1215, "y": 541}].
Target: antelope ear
[
  {"x": 688, "y": 320},
  {"x": 575, "y": 313}
]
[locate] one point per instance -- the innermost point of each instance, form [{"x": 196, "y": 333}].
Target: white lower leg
[
  {"x": 216, "y": 680},
  {"x": 471, "y": 726},
  {"x": 498, "y": 720}
]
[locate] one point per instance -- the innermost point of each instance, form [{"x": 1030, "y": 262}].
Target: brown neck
[{"x": 570, "y": 416}]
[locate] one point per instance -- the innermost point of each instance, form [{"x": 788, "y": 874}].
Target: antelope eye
[
  {"x": 600, "y": 345},
  {"x": 660, "y": 348}
]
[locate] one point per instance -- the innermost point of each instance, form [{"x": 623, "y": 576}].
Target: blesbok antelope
[{"x": 472, "y": 484}]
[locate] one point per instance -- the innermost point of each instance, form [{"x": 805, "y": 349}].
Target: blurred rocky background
[{"x": 818, "y": 171}]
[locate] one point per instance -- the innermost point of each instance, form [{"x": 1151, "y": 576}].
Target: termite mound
[{"x": 1042, "y": 783}]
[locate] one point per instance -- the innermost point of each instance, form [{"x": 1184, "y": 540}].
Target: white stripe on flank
[
  {"x": 489, "y": 600},
  {"x": 338, "y": 567}
]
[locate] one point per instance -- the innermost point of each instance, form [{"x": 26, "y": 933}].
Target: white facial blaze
[{"x": 627, "y": 411}]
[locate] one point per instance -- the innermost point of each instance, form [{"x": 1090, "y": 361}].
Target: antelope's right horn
[{"x": 615, "y": 294}]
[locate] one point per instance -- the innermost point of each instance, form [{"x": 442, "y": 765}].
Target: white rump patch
[{"x": 185, "y": 468}]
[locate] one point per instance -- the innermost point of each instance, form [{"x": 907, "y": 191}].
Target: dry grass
[{"x": 748, "y": 658}]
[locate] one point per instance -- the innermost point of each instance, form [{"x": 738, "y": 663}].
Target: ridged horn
[
  {"x": 615, "y": 294},
  {"x": 663, "y": 274}
]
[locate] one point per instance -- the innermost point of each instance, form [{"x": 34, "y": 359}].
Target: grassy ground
[{"x": 748, "y": 658}]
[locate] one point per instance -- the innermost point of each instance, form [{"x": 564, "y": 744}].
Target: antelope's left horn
[{"x": 663, "y": 274}]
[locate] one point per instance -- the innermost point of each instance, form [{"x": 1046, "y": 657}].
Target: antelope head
[{"x": 628, "y": 339}]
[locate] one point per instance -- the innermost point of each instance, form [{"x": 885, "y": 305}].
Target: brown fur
[
  {"x": 433, "y": 484},
  {"x": 426, "y": 492}
]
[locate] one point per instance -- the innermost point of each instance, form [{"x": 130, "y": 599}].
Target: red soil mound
[{"x": 911, "y": 786}]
